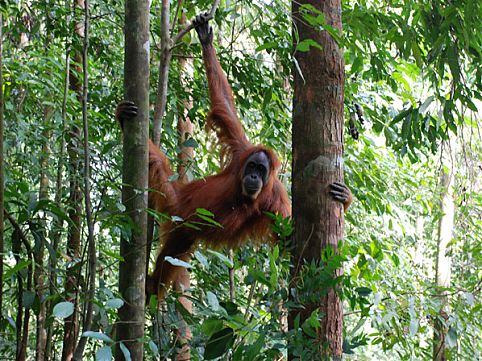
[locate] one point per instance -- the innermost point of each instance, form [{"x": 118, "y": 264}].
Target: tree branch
[{"x": 183, "y": 32}]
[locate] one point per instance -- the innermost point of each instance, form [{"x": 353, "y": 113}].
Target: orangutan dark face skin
[{"x": 256, "y": 174}]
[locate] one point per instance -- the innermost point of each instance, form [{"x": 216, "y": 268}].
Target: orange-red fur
[{"x": 241, "y": 218}]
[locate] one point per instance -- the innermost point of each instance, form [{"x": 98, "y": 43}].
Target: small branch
[{"x": 183, "y": 32}]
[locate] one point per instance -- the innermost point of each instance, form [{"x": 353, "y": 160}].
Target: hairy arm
[{"x": 222, "y": 118}]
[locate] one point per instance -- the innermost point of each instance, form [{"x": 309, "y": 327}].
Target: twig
[{"x": 183, "y": 32}]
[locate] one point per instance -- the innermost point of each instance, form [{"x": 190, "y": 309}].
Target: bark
[
  {"x": 2, "y": 171},
  {"x": 445, "y": 235},
  {"x": 317, "y": 162},
  {"x": 130, "y": 329},
  {"x": 91, "y": 253},
  {"x": 39, "y": 273},
  {"x": 71, "y": 323},
  {"x": 39, "y": 255},
  {"x": 160, "y": 105},
  {"x": 58, "y": 223},
  {"x": 164, "y": 64},
  {"x": 183, "y": 280}
]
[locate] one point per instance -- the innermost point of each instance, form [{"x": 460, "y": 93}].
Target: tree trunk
[
  {"x": 445, "y": 235},
  {"x": 162, "y": 82},
  {"x": 183, "y": 280},
  {"x": 88, "y": 313},
  {"x": 317, "y": 161},
  {"x": 130, "y": 329},
  {"x": 59, "y": 189},
  {"x": 71, "y": 323},
  {"x": 39, "y": 274}
]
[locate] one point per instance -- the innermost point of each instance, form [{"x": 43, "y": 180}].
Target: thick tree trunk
[
  {"x": 130, "y": 329},
  {"x": 71, "y": 323},
  {"x": 318, "y": 161},
  {"x": 445, "y": 235}
]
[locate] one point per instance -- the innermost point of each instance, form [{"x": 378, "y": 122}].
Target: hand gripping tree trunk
[
  {"x": 317, "y": 159},
  {"x": 130, "y": 329}
]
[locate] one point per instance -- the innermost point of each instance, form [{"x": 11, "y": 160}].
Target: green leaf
[
  {"x": 451, "y": 337},
  {"x": 219, "y": 343},
  {"x": 104, "y": 354},
  {"x": 426, "y": 104},
  {"x": 154, "y": 349},
  {"x": 363, "y": 291},
  {"x": 253, "y": 350},
  {"x": 222, "y": 257},
  {"x": 177, "y": 262},
  {"x": 204, "y": 212},
  {"x": 413, "y": 326},
  {"x": 210, "y": 220},
  {"x": 190, "y": 143},
  {"x": 453, "y": 61},
  {"x": 469, "y": 298},
  {"x": 63, "y": 310},
  {"x": 115, "y": 303},
  {"x": 267, "y": 97},
  {"x": 212, "y": 301},
  {"x": 125, "y": 352},
  {"x": 17, "y": 268},
  {"x": 201, "y": 258},
  {"x": 268, "y": 45},
  {"x": 407, "y": 123},
  {"x": 114, "y": 255},
  {"x": 97, "y": 336},
  {"x": 305, "y": 45},
  {"x": 211, "y": 325},
  {"x": 28, "y": 298},
  {"x": 357, "y": 65}
]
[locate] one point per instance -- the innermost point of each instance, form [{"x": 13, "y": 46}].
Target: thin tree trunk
[
  {"x": 58, "y": 223},
  {"x": 39, "y": 274},
  {"x": 161, "y": 97},
  {"x": 183, "y": 280},
  {"x": 445, "y": 235},
  {"x": 71, "y": 323},
  {"x": 21, "y": 350},
  {"x": 160, "y": 105},
  {"x": 91, "y": 253},
  {"x": 130, "y": 329},
  {"x": 22, "y": 321},
  {"x": 317, "y": 162},
  {"x": 2, "y": 170}
]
